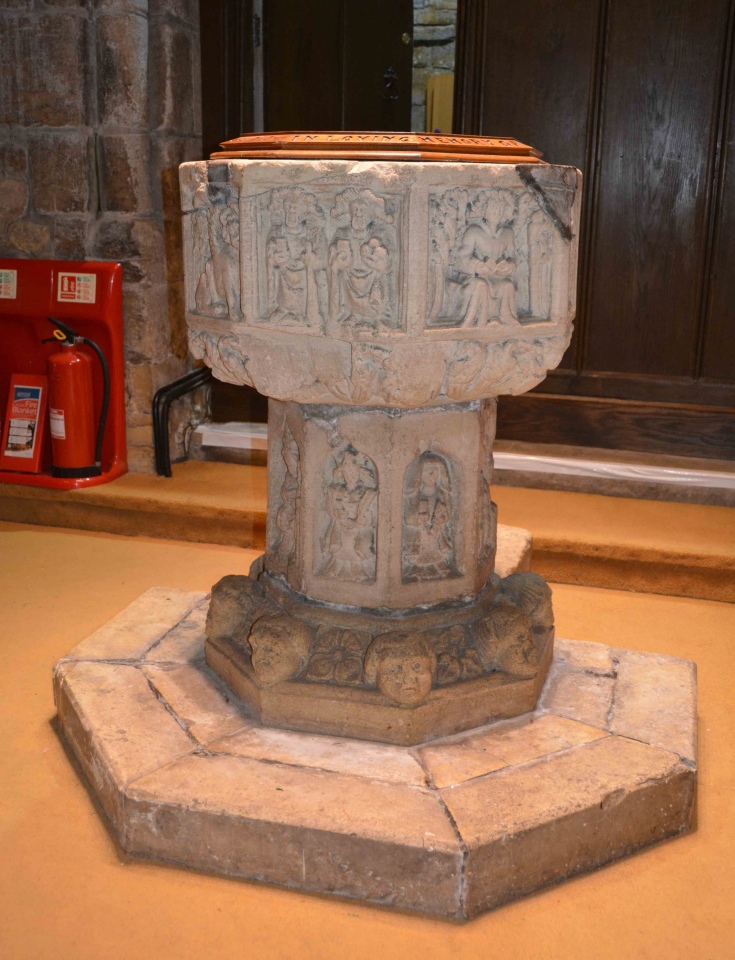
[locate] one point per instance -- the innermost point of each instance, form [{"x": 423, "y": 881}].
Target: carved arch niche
[
  {"x": 429, "y": 541},
  {"x": 348, "y": 522}
]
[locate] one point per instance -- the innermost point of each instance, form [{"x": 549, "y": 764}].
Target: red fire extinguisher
[{"x": 76, "y": 436}]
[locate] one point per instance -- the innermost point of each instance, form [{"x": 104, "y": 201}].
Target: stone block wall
[
  {"x": 434, "y": 30},
  {"x": 99, "y": 104}
]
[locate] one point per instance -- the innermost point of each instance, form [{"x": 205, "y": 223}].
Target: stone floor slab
[
  {"x": 656, "y": 701},
  {"x": 604, "y": 766},
  {"x": 317, "y": 831},
  {"x": 501, "y": 745},
  {"x": 577, "y": 695},
  {"x": 378, "y": 761},
  {"x": 531, "y": 825},
  {"x": 185, "y": 642},
  {"x": 116, "y": 725},
  {"x": 143, "y": 623},
  {"x": 202, "y": 704},
  {"x": 513, "y": 551}
]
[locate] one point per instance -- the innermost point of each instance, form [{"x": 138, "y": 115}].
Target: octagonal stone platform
[{"x": 605, "y": 765}]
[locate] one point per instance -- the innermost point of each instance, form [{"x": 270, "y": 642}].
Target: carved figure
[
  {"x": 235, "y": 603},
  {"x": 473, "y": 258},
  {"x": 218, "y": 288},
  {"x": 402, "y": 666},
  {"x": 531, "y": 594},
  {"x": 296, "y": 254},
  {"x": 337, "y": 655},
  {"x": 280, "y": 648},
  {"x": 288, "y": 512},
  {"x": 504, "y": 641},
  {"x": 541, "y": 248},
  {"x": 428, "y": 531},
  {"x": 362, "y": 262},
  {"x": 348, "y": 544}
]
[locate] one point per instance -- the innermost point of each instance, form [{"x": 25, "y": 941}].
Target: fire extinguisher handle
[{"x": 69, "y": 334}]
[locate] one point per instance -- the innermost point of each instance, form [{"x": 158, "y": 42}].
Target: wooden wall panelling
[
  {"x": 637, "y": 95},
  {"x": 648, "y": 259},
  {"x": 717, "y": 354},
  {"x": 528, "y": 70},
  {"x": 683, "y": 429}
]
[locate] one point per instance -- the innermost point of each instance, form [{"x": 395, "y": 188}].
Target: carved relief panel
[
  {"x": 287, "y": 516},
  {"x": 491, "y": 257},
  {"x": 214, "y": 277},
  {"x": 328, "y": 259},
  {"x": 349, "y": 519},
  {"x": 429, "y": 522}
]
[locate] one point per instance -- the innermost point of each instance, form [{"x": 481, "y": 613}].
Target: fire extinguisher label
[
  {"x": 77, "y": 288},
  {"x": 8, "y": 284},
  {"x": 58, "y": 424}
]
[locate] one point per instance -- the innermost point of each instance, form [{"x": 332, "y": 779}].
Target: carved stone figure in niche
[
  {"x": 348, "y": 543},
  {"x": 428, "y": 524},
  {"x": 337, "y": 655},
  {"x": 363, "y": 257},
  {"x": 541, "y": 248},
  {"x": 402, "y": 666},
  {"x": 504, "y": 641},
  {"x": 280, "y": 648},
  {"x": 218, "y": 288},
  {"x": 287, "y": 517},
  {"x": 456, "y": 659},
  {"x": 296, "y": 257},
  {"x": 473, "y": 258}
]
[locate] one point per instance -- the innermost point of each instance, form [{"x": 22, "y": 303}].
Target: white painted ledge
[
  {"x": 254, "y": 436},
  {"x": 608, "y": 470},
  {"x": 238, "y": 436}
]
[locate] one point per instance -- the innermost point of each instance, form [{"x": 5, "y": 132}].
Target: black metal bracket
[{"x": 162, "y": 407}]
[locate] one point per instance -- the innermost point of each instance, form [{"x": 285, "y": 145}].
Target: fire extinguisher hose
[{"x": 105, "y": 399}]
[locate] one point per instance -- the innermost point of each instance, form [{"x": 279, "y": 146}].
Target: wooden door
[
  {"x": 337, "y": 64},
  {"x": 326, "y": 65},
  {"x": 639, "y": 95}
]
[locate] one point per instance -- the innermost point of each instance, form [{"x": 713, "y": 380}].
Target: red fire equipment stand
[{"x": 88, "y": 297}]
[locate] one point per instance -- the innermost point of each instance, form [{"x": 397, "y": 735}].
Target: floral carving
[
  {"x": 456, "y": 658},
  {"x": 221, "y": 354},
  {"x": 337, "y": 655}
]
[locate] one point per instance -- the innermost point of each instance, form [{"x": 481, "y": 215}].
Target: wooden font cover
[{"x": 378, "y": 146}]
